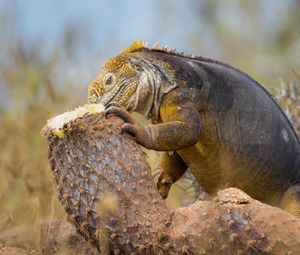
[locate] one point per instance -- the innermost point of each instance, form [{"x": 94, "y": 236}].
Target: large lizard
[{"x": 208, "y": 116}]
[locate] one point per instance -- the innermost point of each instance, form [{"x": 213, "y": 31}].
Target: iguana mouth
[{"x": 108, "y": 98}]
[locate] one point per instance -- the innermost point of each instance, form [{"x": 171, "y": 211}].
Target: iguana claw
[
  {"x": 131, "y": 127},
  {"x": 121, "y": 112}
]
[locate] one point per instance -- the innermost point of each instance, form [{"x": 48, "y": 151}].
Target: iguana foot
[
  {"x": 139, "y": 132},
  {"x": 164, "y": 184},
  {"x": 119, "y": 111},
  {"x": 290, "y": 200}
]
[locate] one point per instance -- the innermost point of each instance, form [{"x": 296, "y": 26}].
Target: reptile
[{"x": 205, "y": 115}]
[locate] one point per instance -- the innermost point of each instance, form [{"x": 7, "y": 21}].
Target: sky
[
  {"x": 107, "y": 21},
  {"x": 120, "y": 22},
  {"x": 104, "y": 27}
]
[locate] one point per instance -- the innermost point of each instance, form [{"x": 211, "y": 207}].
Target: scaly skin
[{"x": 207, "y": 116}]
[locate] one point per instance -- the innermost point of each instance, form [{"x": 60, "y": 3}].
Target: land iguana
[{"x": 208, "y": 116}]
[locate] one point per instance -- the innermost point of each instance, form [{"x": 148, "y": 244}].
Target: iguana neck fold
[{"x": 154, "y": 83}]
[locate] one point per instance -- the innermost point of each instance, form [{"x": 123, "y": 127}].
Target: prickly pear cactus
[
  {"x": 107, "y": 190},
  {"x": 102, "y": 178}
]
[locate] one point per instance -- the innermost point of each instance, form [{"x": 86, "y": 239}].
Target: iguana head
[
  {"x": 134, "y": 80},
  {"x": 116, "y": 83}
]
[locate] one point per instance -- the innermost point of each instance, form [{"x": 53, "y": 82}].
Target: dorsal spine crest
[{"x": 136, "y": 45}]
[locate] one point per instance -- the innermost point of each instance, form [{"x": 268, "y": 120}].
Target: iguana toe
[{"x": 121, "y": 112}]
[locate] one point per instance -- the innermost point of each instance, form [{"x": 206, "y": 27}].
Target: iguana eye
[{"x": 108, "y": 79}]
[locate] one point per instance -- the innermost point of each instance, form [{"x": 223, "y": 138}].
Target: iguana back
[{"x": 246, "y": 139}]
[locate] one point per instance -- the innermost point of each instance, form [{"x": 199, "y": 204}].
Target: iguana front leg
[
  {"x": 139, "y": 132},
  {"x": 170, "y": 164},
  {"x": 181, "y": 128},
  {"x": 172, "y": 135}
]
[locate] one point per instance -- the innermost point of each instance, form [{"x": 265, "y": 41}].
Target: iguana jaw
[
  {"x": 108, "y": 97},
  {"x": 119, "y": 94}
]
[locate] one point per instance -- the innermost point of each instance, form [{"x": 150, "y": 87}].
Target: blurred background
[{"x": 51, "y": 49}]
